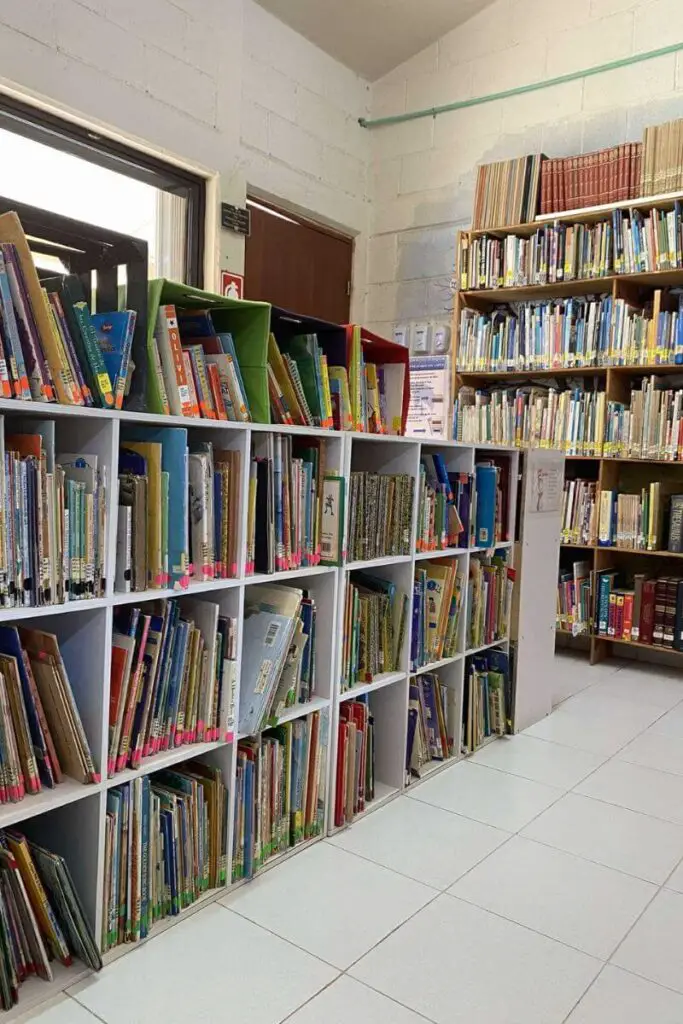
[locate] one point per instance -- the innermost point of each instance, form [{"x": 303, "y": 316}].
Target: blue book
[
  {"x": 114, "y": 333},
  {"x": 173, "y": 441},
  {"x": 10, "y": 645},
  {"x": 228, "y": 346},
  {"x": 144, "y": 888},
  {"x": 485, "y": 523},
  {"x": 415, "y": 636}
]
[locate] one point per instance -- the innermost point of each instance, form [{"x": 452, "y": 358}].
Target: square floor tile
[
  {"x": 61, "y": 1010},
  {"x": 654, "y": 949},
  {"x": 484, "y": 794},
  {"x": 676, "y": 880},
  {"x": 348, "y": 1002},
  {"x": 638, "y": 788},
  {"x": 614, "y": 836},
  {"x": 655, "y": 750},
  {"x": 539, "y": 760},
  {"x": 571, "y": 673},
  {"x": 670, "y": 724},
  {"x": 618, "y": 997},
  {"x": 457, "y": 964},
  {"x": 599, "y": 725},
  {"x": 254, "y": 975},
  {"x": 431, "y": 845},
  {"x": 330, "y": 902},
  {"x": 662, "y": 688},
  {"x": 562, "y": 896}
]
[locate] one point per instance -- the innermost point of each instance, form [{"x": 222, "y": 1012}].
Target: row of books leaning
[
  {"x": 42, "y": 919},
  {"x": 649, "y": 520},
  {"x": 433, "y": 706},
  {"x": 578, "y": 422},
  {"x": 621, "y": 606},
  {"x": 627, "y": 242},
  {"x": 165, "y": 846},
  {"x": 53, "y": 519},
  {"x": 511, "y": 192},
  {"x": 570, "y": 333},
  {"x": 460, "y": 509}
]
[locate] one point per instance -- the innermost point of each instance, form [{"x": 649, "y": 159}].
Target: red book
[
  {"x": 647, "y": 612},
  {"x": 628, "y": 615},
  {"x": 339, "y": 802},
  {"x": 215, "y": 385},
  {"x": 544, "y": 186}
]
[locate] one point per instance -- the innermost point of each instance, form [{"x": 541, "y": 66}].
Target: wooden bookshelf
[{"x": 609, "y": 472}]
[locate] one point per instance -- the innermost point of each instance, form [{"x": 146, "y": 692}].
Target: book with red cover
[{"x": 659, "y": 611}]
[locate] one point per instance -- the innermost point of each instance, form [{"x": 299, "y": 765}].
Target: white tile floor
[{"x": 539, "y": 883}]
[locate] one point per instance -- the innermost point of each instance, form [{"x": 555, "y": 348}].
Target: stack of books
[
  {"x": 485, "y": 699},
  {"x": 375, "y": 624},
  {"x": 547, "y": 335},
  {"x": 650, "y": 426},
  {"x": 299, "y": 382},
  {"x": 489, "y": 600},
  {"x": 431, "y": 713},
  {"x": 662, "y": 164},
  {"x": 380, "y": 515},
  {"x": 165, "y": 846},
  {"x": 609, "y": 175},
  {"x": 278, "y": 655},
  {"x": 279, "y": 792},
  {"x": 195, "y": 370},
  {"x": 439, "y": 525},
  {"x": 575, "y": 598},
  {"x": 646, "y": 611},
  {"x": 437, "y": 605},
  {"x": 580, "y": 512},
  {"x": 173, "y": 679},
  {"x": 375, "y": 390},
  {"x": 284, "y": 522},
  {"x": 553, "y": 253},
  {"x": 178, "y": 510},
  {"x": 506, "y": 192},
  {"x": 51, "y": 348},
  {"x": 42, "y": 914},
  {"x": 355, "y": 780},
  {"x": 42, "y": 738},
  {"x": 53, "y": 519}
]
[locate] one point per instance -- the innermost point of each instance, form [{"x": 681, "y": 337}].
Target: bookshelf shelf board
[
  {"x": 289, "y": 574},
  {"x": 441, "y": 442},
  {"x": 502, "y": 544},
  {"x": 523, "y": 375},
  {"x": 67, "y": 792},
  {"x": 360, "y": 435},
  {"x": 378, "y": 683},
  {"x": 292, "y": 428},
  {"x": 585, "y": 214},
  {"x": 298, "y": 711},
  {"x": 580, "y": 286},
  {"x": 570, "y": 633},
  {"x": 636, "y": 643},
  {"x": 486, "y": 647},
  {"x": 432, "y": 666},
  {"x": 443, "y": 553},
  {"x": 35, "y": 992},
  {"x": 201, "y": 587},
  {"x": 19, "y": 614},
  {"x": 637, "y": 551},
  {"x": 164, "y": 759},
  {"x": 373, "y": 563},
  {"x": 431, "y": 769},
  {"x": 383, "y": 794}
]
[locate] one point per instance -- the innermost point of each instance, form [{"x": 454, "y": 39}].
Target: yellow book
[
  {"x": 356, "y": 380},
  {"x": 327, "y": 395},
  {"x": 339, "y": 375},
  {"x": 151, "y": 452},
  {"x": 375, "y": 423},
  {"x": 284, "y": 381}
]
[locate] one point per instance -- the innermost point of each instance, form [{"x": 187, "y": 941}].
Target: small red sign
[{"x": 232, "y": 285}]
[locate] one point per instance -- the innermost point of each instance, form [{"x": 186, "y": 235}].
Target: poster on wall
[{"x": 232, "y": 285}]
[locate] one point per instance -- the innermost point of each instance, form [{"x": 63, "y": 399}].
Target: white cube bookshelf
[{"x": 71, "y": 818}]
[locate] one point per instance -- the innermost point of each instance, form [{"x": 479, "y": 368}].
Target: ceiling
[{"x": 373, "y": 36}]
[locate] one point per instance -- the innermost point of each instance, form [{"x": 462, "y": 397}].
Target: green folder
[{"x": 248, "y": 322}]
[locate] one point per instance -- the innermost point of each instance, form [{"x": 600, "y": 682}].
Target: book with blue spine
[
  {"x": 114, "y": 333},
  {"x": 486, "y": 477}
]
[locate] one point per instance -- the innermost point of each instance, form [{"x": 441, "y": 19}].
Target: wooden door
[{"x": 298, "y": 265}]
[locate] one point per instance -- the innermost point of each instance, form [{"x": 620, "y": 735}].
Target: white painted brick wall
[
  {"x": 220, "y": 83},
  {"x": 422, "y": 172}
]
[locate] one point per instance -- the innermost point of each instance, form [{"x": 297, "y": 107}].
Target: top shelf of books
[
  {"x": 515, "y": 196},
  {"x": 180, "y": 354}
]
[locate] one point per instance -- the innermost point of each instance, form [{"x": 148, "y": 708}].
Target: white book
[{"x": 124, "y": 553}]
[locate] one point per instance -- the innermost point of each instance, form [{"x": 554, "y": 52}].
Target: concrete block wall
[
  {"x": 219, "y": 83},
  {"x": 423, "y": 172}
]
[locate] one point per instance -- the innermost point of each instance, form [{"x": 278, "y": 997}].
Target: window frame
[{"x": 97, "y": 148}]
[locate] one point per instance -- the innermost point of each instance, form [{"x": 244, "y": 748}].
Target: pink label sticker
[{"x": 96, "y": 777}]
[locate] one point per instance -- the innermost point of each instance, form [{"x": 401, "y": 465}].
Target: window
[{"x": 70, "y": 170}]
